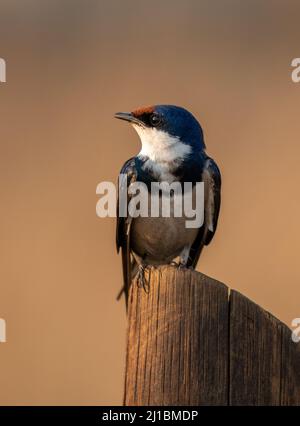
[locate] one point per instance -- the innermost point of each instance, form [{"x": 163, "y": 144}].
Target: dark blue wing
[
  {"x": 128, "y": 175},
  {"x": 211, "y": 177}
]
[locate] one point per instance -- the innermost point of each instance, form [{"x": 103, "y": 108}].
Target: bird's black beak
[{"x": 127, "y": 116}]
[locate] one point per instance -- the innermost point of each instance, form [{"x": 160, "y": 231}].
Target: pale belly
[{"x": 159, "y": 240}]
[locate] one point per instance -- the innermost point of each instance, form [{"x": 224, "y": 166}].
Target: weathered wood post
[
  {"x": 177, "y": 340},
  {"x": 191, "y": 343}
]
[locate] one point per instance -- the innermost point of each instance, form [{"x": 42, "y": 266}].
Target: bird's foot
[
  {"x": 178, "y": 265},
  {"x": 142, "y": 281}
]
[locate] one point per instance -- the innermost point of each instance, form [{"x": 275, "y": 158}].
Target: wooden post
[
  {"x": 191, "y": 343},
  {"x": 177, "y": 340}
]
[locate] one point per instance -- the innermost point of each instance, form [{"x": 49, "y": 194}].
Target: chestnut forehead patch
[{"x": 143, "y": 110}]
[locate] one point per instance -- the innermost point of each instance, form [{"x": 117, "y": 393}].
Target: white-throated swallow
[{"x": 173, "y": 150}]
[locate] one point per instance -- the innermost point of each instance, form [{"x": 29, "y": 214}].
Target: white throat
[
  {"x": 164, "y": 153},
  {"x": 160, "y": 146}
]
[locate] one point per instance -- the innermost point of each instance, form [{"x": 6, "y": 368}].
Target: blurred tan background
[{"x": 70, "y": 65}]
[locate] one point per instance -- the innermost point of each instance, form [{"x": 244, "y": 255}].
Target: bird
[{"x": 172, "y": 150}]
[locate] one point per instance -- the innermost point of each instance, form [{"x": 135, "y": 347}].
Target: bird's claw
[
  {"x": 141, "y": 279},
  {"x": 178, "y": 265}
]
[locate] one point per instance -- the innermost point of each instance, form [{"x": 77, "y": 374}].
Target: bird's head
[{"x": 167, "y": 132}]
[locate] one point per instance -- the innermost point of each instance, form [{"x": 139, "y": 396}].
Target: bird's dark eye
[{"x": 155, "y": 119}]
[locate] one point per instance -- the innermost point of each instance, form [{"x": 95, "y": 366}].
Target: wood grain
[
  {"x": 255, "y": 354},
  {"x": 177, "y": 340},
  {"x": 190, "y": 343},
  {"x": 290, "y": 369}
]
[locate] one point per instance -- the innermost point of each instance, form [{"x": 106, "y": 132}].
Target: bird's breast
[{"x": 160, "y": 239}]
